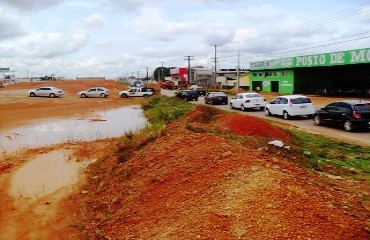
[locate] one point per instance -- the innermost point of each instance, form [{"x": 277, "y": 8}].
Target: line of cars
[
  {"x": 348, "y": 114},
  {"x": 91, "y": 92}
]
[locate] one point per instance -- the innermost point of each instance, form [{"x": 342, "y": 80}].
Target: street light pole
[{"x": 215, "y": 73}]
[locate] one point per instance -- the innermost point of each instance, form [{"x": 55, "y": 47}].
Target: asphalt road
[{"x": 360, "y": 137}]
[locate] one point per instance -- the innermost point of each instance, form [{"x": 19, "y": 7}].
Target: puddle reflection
[{"x": 112, "y": 123}]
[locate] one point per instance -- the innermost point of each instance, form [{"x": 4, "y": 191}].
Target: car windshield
[
  {"x": 362, "y": 107},
  {"x": 300, "y": 100},
  {"x": 252, "y": 95}
]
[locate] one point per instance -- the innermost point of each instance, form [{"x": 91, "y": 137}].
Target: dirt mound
[
  {"x": 195, "y": 185},
  {"x": 252, "y": 126}
]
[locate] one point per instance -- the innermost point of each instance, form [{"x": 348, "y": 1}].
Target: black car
[
  {"x": 216, "y": 98},
  {"x": 349, "y": 114},
  {"x": 201, "y": 91},
  {"x": 188, "y": 95}
]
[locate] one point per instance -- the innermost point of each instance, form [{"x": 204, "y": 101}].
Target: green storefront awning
[{"x": 318, "y": 60}]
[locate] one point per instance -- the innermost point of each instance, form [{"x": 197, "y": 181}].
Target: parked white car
[
  {"x": 247, "y": 100},
  {"x": 46, "y": 92},
  {"x": 136, "y": 92},
  {"x": 290, "y": 105},
  {"x": 94, "y": 92}
]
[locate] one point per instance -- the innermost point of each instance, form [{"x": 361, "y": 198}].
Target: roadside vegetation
[{"x": 327, "y": 155}]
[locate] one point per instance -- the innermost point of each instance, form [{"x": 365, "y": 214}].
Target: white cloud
[
  {"x": 120, "y": 36},
  {"x": 32, "y": 4},
  {"x": 152, "y": 24},
  {"x": 10, "y": 24},
  {"x": 94, "y": 20},
  {"x": 365, "y": 15},
  {"x": 44, "y": 45}
]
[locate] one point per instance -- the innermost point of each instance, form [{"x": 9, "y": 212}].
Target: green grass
[
  {"x": 323, "y": 153},
  {"x": 163, "y": 110}
]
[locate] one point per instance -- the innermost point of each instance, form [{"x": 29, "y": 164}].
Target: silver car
[
  {"x": 46, "y": 92},
  {"x": 290, "y": 105},
  {"x": 247, "y": 100},
  {"x": 94, "y": 92}
]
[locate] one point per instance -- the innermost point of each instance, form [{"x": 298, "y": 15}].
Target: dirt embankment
[{"x": 191, "y": 184}]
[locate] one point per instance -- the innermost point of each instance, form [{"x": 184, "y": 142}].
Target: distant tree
[{"x": 158, "y": 73}]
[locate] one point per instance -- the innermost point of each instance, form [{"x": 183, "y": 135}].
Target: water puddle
[
  {"x": 112, "y": 123},
  {"x": 44, "y": 175}
]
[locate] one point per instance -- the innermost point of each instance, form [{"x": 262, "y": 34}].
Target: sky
[{"x": 124, "y": 38}]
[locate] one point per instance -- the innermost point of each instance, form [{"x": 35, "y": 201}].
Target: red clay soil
[
  {"x": 190, "y": 184},
  {"x": 252, "y": 126}
]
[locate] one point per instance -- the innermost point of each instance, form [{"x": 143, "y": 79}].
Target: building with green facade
[{"x": 306, "y": 74}]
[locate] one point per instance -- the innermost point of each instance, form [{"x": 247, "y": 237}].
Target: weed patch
[{"x": 324, "y": 153}]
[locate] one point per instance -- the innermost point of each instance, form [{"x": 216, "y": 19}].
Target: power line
[
  {"x": 317, "y": 22},
  {"x": 295, "y": 49}
]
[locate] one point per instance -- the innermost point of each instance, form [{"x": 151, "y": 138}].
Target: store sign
[
  {"x": 318, "y": 60},
  {"x": 4, "y": 69}
]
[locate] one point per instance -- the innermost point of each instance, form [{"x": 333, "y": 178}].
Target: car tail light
[
  {"x": 247, "y": 101},
  {"x": 356, "y": 115}
]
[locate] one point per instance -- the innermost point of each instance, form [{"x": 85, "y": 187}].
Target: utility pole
[
  {"x": 147, "y": 75},
  {"x": 215, "y": 74},
  {"x": 189, "y": 69},
  {"x": 237, "y": 73},
  {"x": 162, "y": 76}
]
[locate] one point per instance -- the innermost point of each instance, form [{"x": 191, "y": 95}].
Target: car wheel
[
  {"x": 317, "y": 120},
  {"x": 52, "y": 95},
  {"x": 286, "y": 115},
  {"x": 348, "y": 126},
  {"x": 123, "y": 95},
  {"x": 103, "y": 95},
  {"x": 186, "y": 99},
  {"x": 231, "y": 106},
  {"x": 196, "y": 99},
  {"x": 83, "y": 95},
  {"x": 32, "y": 94},
  {"x": 262, "y": 108},
  {"x": 242, "y": 108},
  {"x": 267, "y": 112}
]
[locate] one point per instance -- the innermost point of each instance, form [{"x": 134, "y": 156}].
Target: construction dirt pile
[{"x": 212, "y": 175}]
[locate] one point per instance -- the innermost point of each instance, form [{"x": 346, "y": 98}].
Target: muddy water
[
  {"x": 38, "y": 185},
  {"x": 43, "y": 175},
  {"x": 106, "y": 124}
]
